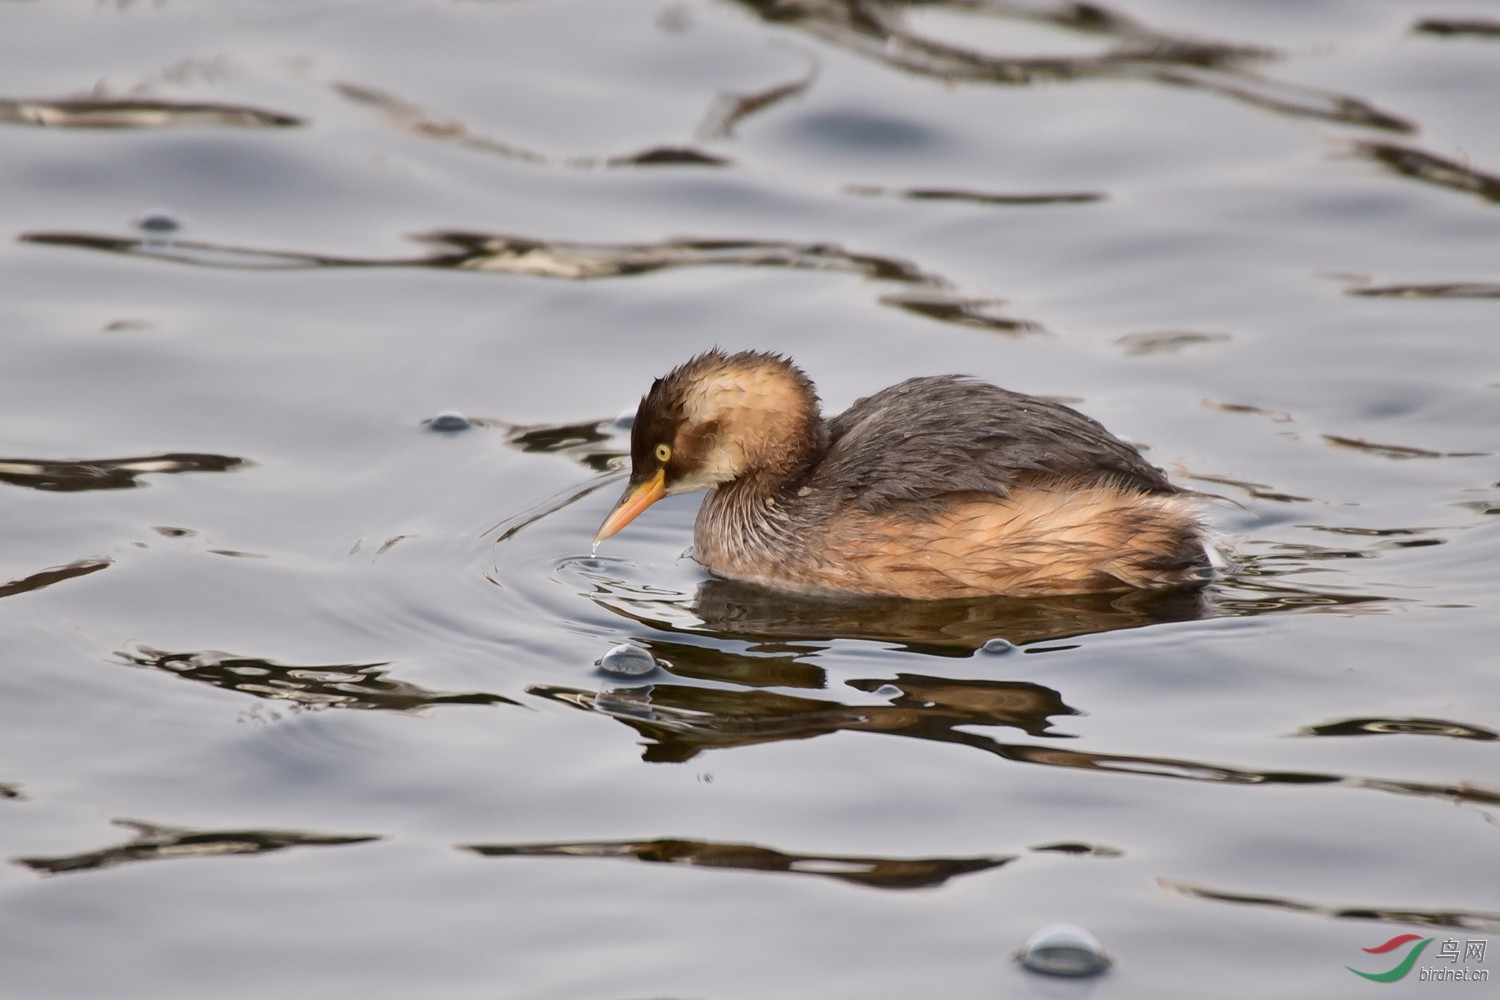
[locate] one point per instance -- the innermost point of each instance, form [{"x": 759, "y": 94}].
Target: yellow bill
[{"x": 636, "y": 499}]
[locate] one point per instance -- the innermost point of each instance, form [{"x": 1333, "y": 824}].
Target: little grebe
[{"x": 942, "y": 486}]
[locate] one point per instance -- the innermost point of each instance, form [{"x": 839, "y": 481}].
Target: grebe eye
[{"x": 663, "y": 453}]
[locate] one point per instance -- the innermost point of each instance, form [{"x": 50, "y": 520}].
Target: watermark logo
[
  {"x": 1448, "y": 951},
  {"x": 1404, "y": 966}
]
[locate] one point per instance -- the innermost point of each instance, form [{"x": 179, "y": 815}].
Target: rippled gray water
[{"x": 303, "y": 696}]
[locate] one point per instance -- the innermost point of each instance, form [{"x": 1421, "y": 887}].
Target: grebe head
[{"x": 716, "y": 419}]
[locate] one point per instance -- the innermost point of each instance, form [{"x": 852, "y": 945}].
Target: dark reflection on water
[
  {"x": 1476, "y": 27},
  {"x": 1343, "y": 529},
  {"x": 780, "y": 665},
  {"x": 731, "y": 109},
  {"x": 202, "y": 254},
  {"x": 1167, "y": 341},
  {"x": 57, "y": 574},
  {"x": 1276, "y": 416},
  {"x": 153, "y": 842},
  {"x": 495, "y": 253},
  {"x": 1439, "y": 290},
  {"x": 1283, "y": 98},
  {"x": 877, "y": 873},
  {"x": 107, "y": 473},
  {"x": 1257, "y": 491},
  {"x": 1079, "y": 849},
  {"x": 681, "y": 721},
  {"x": 949, "y": 627},
  {"x": 343, "y": 685},
  {"x": 983, "y": 314},
  {"x": 574, "y": 440},
  {"x": 734, "y": 611},
  {"x": 430, "y": 124},
  {"x": 880, "y": 31},
  {"x": 1396, "y": 450},
  {"x": 668, "y": 156},
  {"x": 565, "y": 259},
  {"x": 1266, "y": 596},
  {"x": 684, "y": 720},
  {"x": 1401, "y": 726},
  {"x": 1019, "y": 704},
  {"x": 1482, "y": 921},
  {"x": 103, "y": 112},
  {"x": 975, "y": 197},
  {"x": 10, "y": 791},
  {"x": 1420, "y": 165}
]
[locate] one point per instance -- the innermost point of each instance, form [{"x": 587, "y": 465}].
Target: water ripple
[
  {"x": 325, "y": 686},
  {"x": 107, "y": 473},
  {"x": 882, "y": 32},
  {"x": 56, "y": 574},
  {"x": 494, "y": 253},
  {"x": 1480, "y": 921},
  {"x": 155, "y": 842},
  {"x": 872, "y": 872},
  {"x": 127, "y": 113}
]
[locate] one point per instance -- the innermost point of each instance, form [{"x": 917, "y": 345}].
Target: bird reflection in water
[{"x": 680, "y": 721}]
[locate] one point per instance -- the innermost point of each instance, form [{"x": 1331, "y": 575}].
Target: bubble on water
[
  {"x": 627, "y": 660},
  {"x": 449, "y": 420},
  {"x": 158, "y": 223},
  {"x": 888, "y": 691},
  {"x": 998, "y": 647},
  {"x": 1064, "y": 950},
  {"x": 626, "y": 420}
]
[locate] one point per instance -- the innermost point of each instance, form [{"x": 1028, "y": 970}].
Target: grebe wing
[{"x": 926, "y": 439}]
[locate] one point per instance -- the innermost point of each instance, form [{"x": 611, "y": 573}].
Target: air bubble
[
  {"x": 449, "y": 420},
  {"x": 157, "y": 222},
  {"x": 1064, "y": 950},
  {"x": 627, "y": 660}
]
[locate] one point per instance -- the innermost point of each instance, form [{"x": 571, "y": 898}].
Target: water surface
[{"x": 303, "y": 695}]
